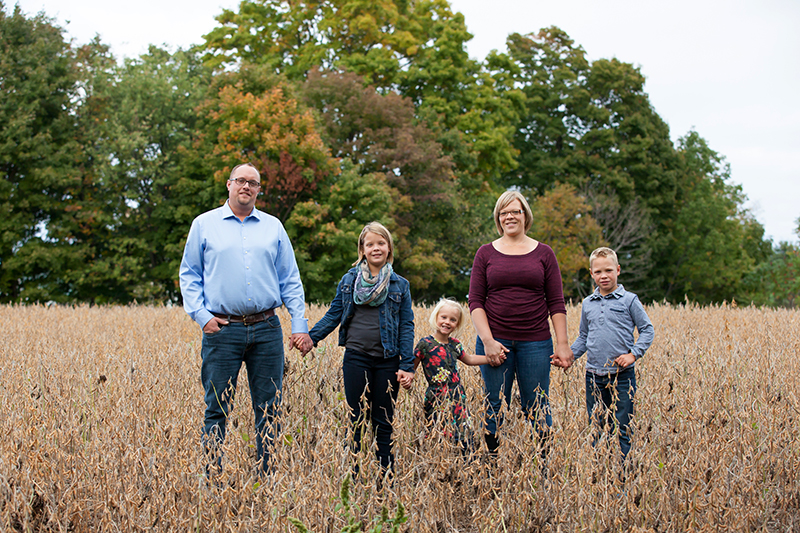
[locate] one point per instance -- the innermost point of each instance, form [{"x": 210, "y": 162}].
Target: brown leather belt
[{"x": 247, "y": 319}]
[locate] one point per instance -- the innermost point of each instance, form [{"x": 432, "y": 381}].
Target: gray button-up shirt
[{"x": 606, "y": 330}]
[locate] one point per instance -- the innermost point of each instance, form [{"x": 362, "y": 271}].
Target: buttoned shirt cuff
[
  {"x": 202, "y": 317},
  {"x": 299, "y": 325}
]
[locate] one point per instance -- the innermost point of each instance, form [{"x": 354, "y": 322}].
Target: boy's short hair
[
  {"x": 502, "y": 202},
  {"x": 450, "y": 303},
  {"x": 604, "y": 251},
  {"x": 378, "y": 229}
]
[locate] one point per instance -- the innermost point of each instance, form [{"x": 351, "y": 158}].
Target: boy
[{"x": 608, "y": 317}]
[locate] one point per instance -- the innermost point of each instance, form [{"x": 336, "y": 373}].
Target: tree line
[{"x": 356, "y": 111}]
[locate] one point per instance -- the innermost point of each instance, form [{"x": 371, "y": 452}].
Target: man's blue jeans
[
  {"x": 529, "y": 362},
  {"x": 260, "y": 347},
  {"x": 608, "y": 395},
  {"x": 370, "y": 386}
]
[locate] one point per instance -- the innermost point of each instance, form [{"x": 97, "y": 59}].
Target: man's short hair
[{"x": 251, "y": 165}]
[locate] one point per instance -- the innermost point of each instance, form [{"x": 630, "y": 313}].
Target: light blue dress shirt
[
  {"x": 606, "y": 330},
  {"x": 239, "y": 267}
]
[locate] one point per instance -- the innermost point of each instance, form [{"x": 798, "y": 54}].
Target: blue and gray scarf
[{"x": 369, "y": 289}]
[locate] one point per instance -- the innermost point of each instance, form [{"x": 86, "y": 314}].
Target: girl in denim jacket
[{"x": 372, "y": 308}]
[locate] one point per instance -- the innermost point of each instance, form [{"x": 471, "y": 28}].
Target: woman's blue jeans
[
  {"x": 260, "y": 347},
  {"x": 609, "y": 402},
  {"x": 370, "y": 387},
  {"x": 529, "y": 363}
]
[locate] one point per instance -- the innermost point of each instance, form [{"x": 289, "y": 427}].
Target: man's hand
[
  {"x": 406, "y": 379},
  {"x": 625, "y": 360},
  {"x": 214, "y": 325},
  {"x": 303, "y": 342}
]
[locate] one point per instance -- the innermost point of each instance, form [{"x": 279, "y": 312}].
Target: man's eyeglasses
[
  {"x": 515, "y": 212},
  {"x": 241, "y": 181}
]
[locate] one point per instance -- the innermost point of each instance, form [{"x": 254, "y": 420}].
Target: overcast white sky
[{"x": 730, "y": 70}]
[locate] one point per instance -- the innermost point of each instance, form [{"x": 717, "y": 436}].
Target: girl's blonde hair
[
  {"x": 450, "y": 303},
  {"x": 502, "y": 202},
  {"x": 378, "y": 229}
]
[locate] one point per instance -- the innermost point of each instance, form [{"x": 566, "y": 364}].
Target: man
[{"x": 238, "y": 267}]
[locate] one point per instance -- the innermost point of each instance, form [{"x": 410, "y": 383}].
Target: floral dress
[{"x": 445, "y": 394}]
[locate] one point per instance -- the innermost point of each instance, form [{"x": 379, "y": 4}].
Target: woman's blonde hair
[
  {"x": 378, "y": 229},
  {"x": 450, "y": 303},
  {"x": 502, "y": 202}
]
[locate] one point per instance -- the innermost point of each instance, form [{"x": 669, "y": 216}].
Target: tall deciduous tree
[
  {"x": 141, "y": 120},
  {"x": 254, "y": 117},
  {"x": 325, "y": 231},
  {"x": 707, "y": 254},
  {"x": 38, "y": 94},
  {"x": 562, "y": 219}
]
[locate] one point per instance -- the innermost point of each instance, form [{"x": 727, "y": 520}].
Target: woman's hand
[{"x": 495, "y": 352}]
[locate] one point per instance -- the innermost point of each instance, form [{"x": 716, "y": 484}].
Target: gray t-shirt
[{"x": 364, "y": 331}]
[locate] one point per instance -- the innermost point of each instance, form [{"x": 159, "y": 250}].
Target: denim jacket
[{"x": 396, "y": 318}]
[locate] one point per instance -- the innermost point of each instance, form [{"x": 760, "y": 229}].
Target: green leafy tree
[
  {"x": 707, "y": 254},
  {"x": 141, "y": 119},
  {"x": 591, "y": 125},
  {"x": 251, "y": 116},
  {"x": 416, "y": 49},
  {"x": 776, "y": 281},
  {"x": 378, "y": 133},
  {"x": 325, "y": 231},
  {"x": 39, "y": 93}
]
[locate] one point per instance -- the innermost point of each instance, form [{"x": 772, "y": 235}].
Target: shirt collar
[
  {"x": 227, "y": 212},
  {"x": 618, "y": 293}
]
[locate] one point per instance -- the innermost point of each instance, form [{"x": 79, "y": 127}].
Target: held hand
[
  {"x": 303, "y": 342},
  {"x": 562, "y": 357},
  {"x": 495, "y": 352},
  {"x": 406, "y": 379},
  {"x": 625, "y": 360},
  {"x": 214, "y": 325}
]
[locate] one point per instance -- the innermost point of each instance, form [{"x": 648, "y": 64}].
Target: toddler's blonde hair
[{"x": 450, "y": 303}]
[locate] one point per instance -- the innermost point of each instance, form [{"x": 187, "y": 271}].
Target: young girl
[
  {"x": 438, "y": 354},
  {"x": 372, "y": 308}
]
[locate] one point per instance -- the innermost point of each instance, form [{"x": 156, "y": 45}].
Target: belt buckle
[{"x": 244, "y": 320}]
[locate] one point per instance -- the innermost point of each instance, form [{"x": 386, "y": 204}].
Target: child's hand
[
  {"x": 406, "y": 379},
  {"x": 625, "y": 360}
]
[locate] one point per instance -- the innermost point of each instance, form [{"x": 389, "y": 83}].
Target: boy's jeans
[{"x": 613, "y": 393}]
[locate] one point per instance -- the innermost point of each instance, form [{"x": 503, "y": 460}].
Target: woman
[
  {"x": 372, "y": 308},
  {"x": 514, "y": 288}
]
